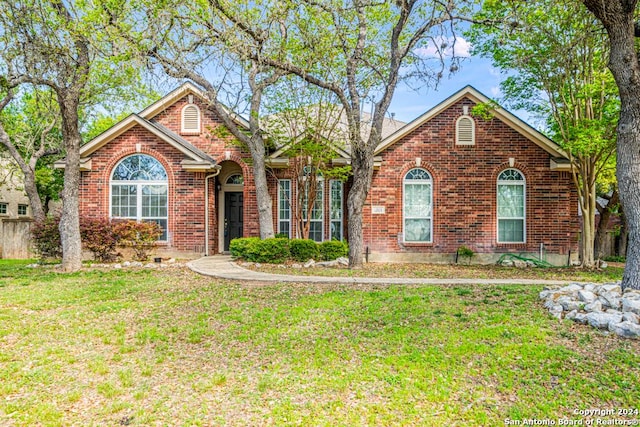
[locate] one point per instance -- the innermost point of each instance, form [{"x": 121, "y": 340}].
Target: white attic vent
[
  {"x": 191, "y": 119},
  {"x": 465, "y": 131}
]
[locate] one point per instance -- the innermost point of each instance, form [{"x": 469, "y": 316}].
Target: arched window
[
  {"x": 511, "y": 207},
  {"x": 417, "y": 206},
  {"x": 190, "y": 119},
  {"x": 139, "y": 191},
  {"x": 236, "y": 179},
  {"x": 465, "y": 131}
]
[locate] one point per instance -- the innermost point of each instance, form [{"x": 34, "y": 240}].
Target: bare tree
[{"x": 358, "y": 50}]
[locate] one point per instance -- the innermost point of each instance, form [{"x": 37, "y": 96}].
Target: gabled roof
[
  {"x": 189, "y": 150},
  {"x": 184, "y": 89},
  {"x": 196, "y": 159},
  {"x": 500, "y": 113},
  {"x": 336, "y": 135}
]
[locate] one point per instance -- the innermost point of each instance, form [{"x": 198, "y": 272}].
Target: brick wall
[{"x": 464, "y": 190}]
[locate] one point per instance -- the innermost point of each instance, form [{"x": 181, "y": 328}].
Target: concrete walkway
[{"x": 223, "y": 267}]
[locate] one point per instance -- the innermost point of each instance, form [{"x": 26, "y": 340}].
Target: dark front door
[{"x": 232, "y": 217}]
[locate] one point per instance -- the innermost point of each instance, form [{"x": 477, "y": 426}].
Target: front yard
[{"x": 169, "y": 347}]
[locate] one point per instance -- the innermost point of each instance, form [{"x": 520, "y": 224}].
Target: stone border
[{"x": 603, "y": 306}]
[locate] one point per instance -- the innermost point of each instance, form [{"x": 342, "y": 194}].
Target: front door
[{"x": 232, "y": 217}]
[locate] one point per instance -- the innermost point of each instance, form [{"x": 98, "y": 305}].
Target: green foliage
[
  {"x": 332, "y": 249},
  {"x": 46, "y": 238},
  {"x": 141, "y": 237},
  {"x": 273, "y": 251},
  {"x": 303, "y": 249},
  {"x": 465, "y": 252},
  {"x": 100, "y": 236},
  {"x": 239, "y": 247}
]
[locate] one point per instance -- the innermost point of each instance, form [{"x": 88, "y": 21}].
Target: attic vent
[
  {"x": 190, "y": 119},
  {"x": 465, "y": 131}
]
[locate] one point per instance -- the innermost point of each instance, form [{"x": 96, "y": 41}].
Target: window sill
[{"x": 416, "y": 244}]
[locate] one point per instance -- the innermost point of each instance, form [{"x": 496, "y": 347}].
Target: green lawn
[{"x": 173, "y": 348}]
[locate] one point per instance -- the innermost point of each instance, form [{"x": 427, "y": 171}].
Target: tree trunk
[
  {"x": 29, "y": 177},
  {"x": 624, "y": 237},
  {"x": 265, "y": 208},
  {"x": 69, "y": 219},
  {"x": 617, "y": 16},
  {"x": 362, "y": 168},
  {"x": 588, "y": 226},
  {"x": 605, "y": 216}
]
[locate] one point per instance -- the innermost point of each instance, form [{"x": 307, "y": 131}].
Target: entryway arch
[{"x": 230, "y": 204}]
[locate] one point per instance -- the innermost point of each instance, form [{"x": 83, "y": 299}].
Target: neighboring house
[
  {"x": 15, "y": 211},
  {"x": 445, "y": 180}
]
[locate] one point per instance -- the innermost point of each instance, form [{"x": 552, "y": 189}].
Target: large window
[
  {"x": 317, "y": 211},
  {"x": 511, "y": 207},
  {"x": 139, "y": 191},
  {"x": 417, "y": 206},
  {"x": 284, "y": 207}
]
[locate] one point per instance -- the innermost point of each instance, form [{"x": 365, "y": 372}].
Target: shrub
[
  {"x": 240, "y": 246},
  {"x": 140, "y": 236},
  {"x": 273, "y": 251},
  {"x": 99, "y": 235},
  {"x": 303, "y": 249},
  {"x": 333, "y": 249},
  {"x": 465, "y": 252},
  {"x": 46, "y": 238}
]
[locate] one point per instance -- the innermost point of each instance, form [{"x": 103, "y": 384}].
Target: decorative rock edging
[
  {"x": 339, "y": 262},
  {"x": 601, "y": 306},
  {"x": 120, "y": 265}
]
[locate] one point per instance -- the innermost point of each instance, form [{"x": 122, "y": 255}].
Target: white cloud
[
  {"x": 448, "y": 46},
  {"x": 495, "y": 91}
]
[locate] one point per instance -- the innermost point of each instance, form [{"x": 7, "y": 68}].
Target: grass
[
  {"x": 446, "y": 271},
  {"x": 168, "y": 347}
]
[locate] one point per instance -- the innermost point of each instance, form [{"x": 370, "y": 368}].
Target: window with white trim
[
  {"x": 316, "y": 223},
  {"x": 511, "y": 207},
  {"x": 190, "y": 119},
  {"x": 335, "y": 209},
  {"x": 417, "y": 206},
  {"x": 22, "y": 209},
  {"x": 3, "y": 209},
  {"x": 284, "y": 207},
  {"x": 139, "y": 191},
  {"x": 465, "y": 131}
]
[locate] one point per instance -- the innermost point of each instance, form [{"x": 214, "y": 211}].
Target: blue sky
[{"x": 478, "y": 72}]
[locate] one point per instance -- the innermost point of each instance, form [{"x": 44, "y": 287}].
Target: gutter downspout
[{"x": 206, "y": 210}]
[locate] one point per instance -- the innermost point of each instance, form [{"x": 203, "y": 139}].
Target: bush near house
[
  {"x": 46, "y": 238},
  {"x": 303, "y": 249},
  {"x": 278, "y": 250},
  {"x": 100, "y": 236},
  {"x": 141, "y": 237},
  {"x": 333, "y": 249}
]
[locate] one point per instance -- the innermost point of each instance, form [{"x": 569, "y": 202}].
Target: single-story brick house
[{"x": 445, "y": 180}]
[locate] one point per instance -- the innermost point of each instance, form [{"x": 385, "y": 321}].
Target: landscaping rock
[
  {"x": 586, "y": 296},
  {"x": 610, "y": 299},
  {"x": 309, "y": 263},
  {"x": 632, "y": 305},
  {"x": 296, "y": 265},
  {"x": 631, "y": 317},
  {"x": 625, "y": 329},
  {"x": 602, "y": 306},
  {"x": 594, "y": 306},
  {"x": 343, "y": 261},
  {"x": 568, "y": 303},
  {"x": 602, "y": 320},
  {"x": 117, "y": 266},
  {"x": 556, "y": 311}
]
